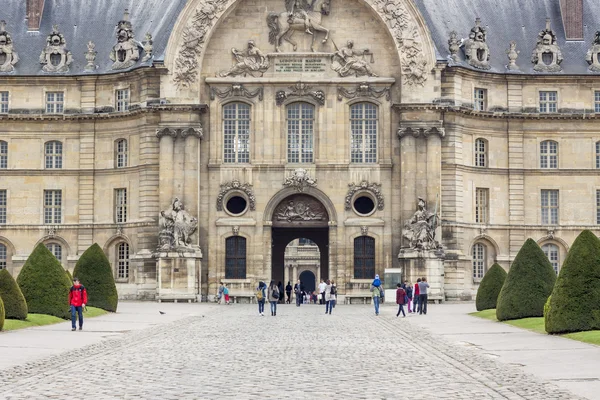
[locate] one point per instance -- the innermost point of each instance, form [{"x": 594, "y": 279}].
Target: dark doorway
[
  {"x": 281, "y": 237},
  {"x": 308, "y": 279}
]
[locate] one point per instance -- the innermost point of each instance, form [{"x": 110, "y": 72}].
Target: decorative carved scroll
[
  {"x": 476, "y": 48},
  {"x": 127, "y": 50},
  {"x": 547, "y": 55},
  {"x": 300, "y": 210},
  {"x": 236, "y": 185},
  {"x": 236, "y": 90},
  {"x": 364, "y": 186},
  {"x": 6, "y": 50},
  {"x": 55, "y": 57},
  {"x": 300, "y": 90},
  {"x": 195, "y": 131},
  {"x": 418, "y": 128},
  {"x": 592, "y": 56},
  {"x": 300, "y": 180},
  {"x": 363, "y": 90}
]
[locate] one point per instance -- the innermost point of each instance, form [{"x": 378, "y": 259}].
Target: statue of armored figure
[
  {"x": 248, "y": 62},
  {"x": 420, "y": 229},
  {"x": 176, "y": 228}
]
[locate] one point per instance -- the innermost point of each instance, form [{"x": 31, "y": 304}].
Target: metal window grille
[
  {"x": 479, "y": 256},
  {"x": 481, "y": 205},
  {"x": 548, "y": 102},
  {"x": 479, "y": 98},
  {"x": 551, "y": 251},
  {"x": 363, "y": 137},
  {"x": 55, "y": 102},
  {"x": 3, "y": 154},
  {"x": 121, "y": 153},
  {"x": 3, "y": 256},
  {"x": 550, "y": 207},
  {"x": 549, "y": 154},
  {"x": 52, "y": 206},
  {"x": 2, "y": 206},
  {"x": 300, "y": 127},
  {"x": 120, "y": 205},
  {"x": 55, "y": 249},
  {"x": 364, "y": 257},
  {"x": 122, "y": 100},
  {"x": 123, "y": 260},
  {"x": 54, "y": 155},
  {"x": 236, "y": 133},
  {"x": 480, "y": 153},
  {"x": 235, "y": 257},
  {"x": 3, "y": 102}
]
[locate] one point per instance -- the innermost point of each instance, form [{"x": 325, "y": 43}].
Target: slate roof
[
  {"x": 506, "y": 20},
  {"x": 83, "y": 20}
]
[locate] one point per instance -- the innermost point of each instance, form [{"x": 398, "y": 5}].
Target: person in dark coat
[
  {"x": 288, "y": 292},
  {"x": 280, "y": 287},
  {"x": 400, "y": 300}
]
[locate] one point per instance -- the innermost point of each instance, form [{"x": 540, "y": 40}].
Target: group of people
[
  {"x": 274, "y": 294},
  {"x": 405, "y": 294}
]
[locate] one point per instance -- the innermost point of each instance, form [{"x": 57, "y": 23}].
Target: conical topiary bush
[
  {"x": 489, "y": 288},
  {"x": 528, "y": 284},
  {"x": 44, "y": 284},
  {"x": 1, "y": 314},
  {"x": 69, "y": 275},
  {"x": 575, "y": 302},
  {"x": 94, "y": 271},
  {"x": 15, "y": 306}
]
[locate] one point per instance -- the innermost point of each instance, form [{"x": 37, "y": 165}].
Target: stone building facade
[{"x": 275, "y": 120}]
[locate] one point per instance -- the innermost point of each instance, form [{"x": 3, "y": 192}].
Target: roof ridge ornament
[
  {"x": 512, "y": 54},
  {"x": 477, "y": 51},
  {"x": 592, "y": 56},
  {"x": 8, "y": 57},
  {"x": 90, "y": 57},
  {"x": 126, "y": 53},
  {"x": 454, "y": 46},
  {"x": 55, "y": 57},
  {"x": 547, "y": 55}
]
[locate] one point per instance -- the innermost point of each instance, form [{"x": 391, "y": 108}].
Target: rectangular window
[
  {"x": 122, "y": 96},
  {"x": 3, "y": 256},
  {"x": 3, "y": 155},
  {"x": 3, "y": 206},
  {"x": 597, "y": 101},
  {"x": 3, "y": 102},
  {"x": 548, "y": 154},
  {"x": 123, "y": 261},
  {"x": 481, "y": 205},
  {"x": 548, "y": 102},
  {"x": 480, "y": 99},
  {"x": 55, "y": 102},
  {"x": 120, "y": 205},
  {"x": 52, "y": 206},
  {"x": 549, "y": 207},
  {"x": 236, "y": 133},
  {"x": 300, "y": 123},
  {"x": 53, "y": 153},
  {"x": 597, "y": 155},
  {"x": 363, "y": 128}
]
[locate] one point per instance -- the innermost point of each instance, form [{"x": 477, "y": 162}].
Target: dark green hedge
[
  {"x": 15, "y": 306},
  {"x": 489, "y": 288},
  {"x": 528, "y": 284},
  {"x": 95, "y": 273},
  {"x": 69, "y": 275},
  {"x": 44, "y": 284},
  {"x": 575, "y": 302},
  {"x": 1, "y": 314}
]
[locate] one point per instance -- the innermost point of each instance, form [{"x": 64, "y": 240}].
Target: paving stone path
[{"x": 301, "y": 353}]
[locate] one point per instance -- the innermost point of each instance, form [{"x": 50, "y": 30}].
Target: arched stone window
[
  {"x": 300, "y": 132},
  {"x": 3, "y": 256},
  {"x": 549, "y": 154},
  {"x": 479, "y": 260},
  {"x": 3, "y": 154},
  {"x": 481, "y": 148},
  {"x": 121, "y": 148},
  {"x": 363, "y": 133},
  {"x": 236, "y": 133},
  {"x": 364, "y": 257},
  {"x": 122, "y": 262},
  {"x": 55, "y": 249},
  {"x": 235, "y": 257},
  {"x": 553, "y": 253},
  {"x": 54, "y": 154}
]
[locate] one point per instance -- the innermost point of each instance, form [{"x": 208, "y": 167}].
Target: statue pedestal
[
  {"x": 178, "y": 275},
  {"x": 426, "y": 263}
]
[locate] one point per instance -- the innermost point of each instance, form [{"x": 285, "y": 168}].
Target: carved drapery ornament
[
  {"x": 148, "y": 47},
  {"x": 300, "y": 90},
  {"x": 176, "y": 228},
  {"x": 236, "y": 90},
  {"x": 55, "y": 57},
  {"x": 477, "y": 51},
  {"x": 349, "y": 61},
  {"x": 512, "y": 54},
  {"x": 236, "y": 185},
  {"x": 90, "y": 57},
  {"x": 363, "y": 90},
  {"x": 126, "y": 52},
  {"x": 195, "y": 131},
  {"x": 300, "y": 210},
  {"x": 418, "y": 128},
  {"x": 8, "y": 56},
  {"x": 420, "y": 229},
  {"x": 364, "y": 186},
  {"x": 251, "y": 62},
  {"x": 593, "y": 55},
  {"x": 300, "y": 180},
  {"x": 547, "y": 55},
  {"x": 454, "y": 46}
]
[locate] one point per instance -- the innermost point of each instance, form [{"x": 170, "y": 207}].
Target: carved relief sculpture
[
  {"x": 148, "y": 47},
  {"x": 127, "y": 50},
  {"x": 592, "y": 56},
  {"x": 176, "y": 228},
  {"x": 300, "y": 90},
  {"x": 55, "y": 57},
  {"x": 420, "y": 229},
  {"x": 90, "y": 57},
  {"x": 477, "y": 51},
  {"x": 301, "y": 15},
  {"x": 349, "y": 61},
  {"x": 248, "y": 62},
  {"x": 8, "y": 57},
  {"x": 364, "y": 186},
  {"x": 296, "y": 210},
  {"x": 236, "y": 90},
  {"x": 454, "y": 46},
  {"x": 300, "y": 180},
  {"x": 363, "y": 90},
  {"x": 513, "y": 54},
  {"x": 236, "y": 185},
  {"x": 547, "y": 55}
]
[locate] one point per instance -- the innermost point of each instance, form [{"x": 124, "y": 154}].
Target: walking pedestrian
[
  {"x": 273, "y": 295},
  {"x": 288, "y": 292},
  {"x": 423, "y": 286},
  {"x": 376, "y": 289},
  {"x": 220, "y": 292},
  {"x": 416, "y": 296},
  {"x": 328, "y": 297},
  {"x": 401, "y": 299},
  {"x": 322, "y": 287},
  {"x": 334, "y": 293},
  {"x": 281, "y": 296},
  {"x": 77, "y": 301},
  {"x": 409, "y": 294},
  {"x": 226, "y": 294},
  {"x": 260, "y": 297},
  {"x": 298, "y": 293}
]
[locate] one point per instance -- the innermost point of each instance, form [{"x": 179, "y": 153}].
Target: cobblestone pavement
[{"x": 301, "y": 353}]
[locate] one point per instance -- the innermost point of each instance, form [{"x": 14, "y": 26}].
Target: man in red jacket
[{"x": 77, "y": 300}]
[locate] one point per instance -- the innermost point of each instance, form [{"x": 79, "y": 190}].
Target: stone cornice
[
  {"x": 78, "y": 172},
  {"x": 524, "y": 171},
  {"x": 421, "y": 128},
  {"x": 63, "y": 227}
]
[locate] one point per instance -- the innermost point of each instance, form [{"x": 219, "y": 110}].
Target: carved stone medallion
[
  {"x": 364, "y": 186},
  {"x": 477, "y": 51},
  {"x": 55, "y": 57},
  {"x": 236, "y": 90},
  {"x": 363, "y": 90},
  {"x": 8, "y": 57},
  {"x": 300, "y": 180},
  {"x": 236, "y": 185},
  {"x": 300, "y": 210},
  {"x": 300, "y": 90},
  {"x": 593, "y": 55},
  {"x": 547, "y": 55},
  {"x": 126, "y": 52}
]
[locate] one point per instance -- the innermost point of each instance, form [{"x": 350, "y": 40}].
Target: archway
[{"x": 308, "y": 279}]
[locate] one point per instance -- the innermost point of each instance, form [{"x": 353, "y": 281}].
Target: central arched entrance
[{"x": 299, "y": 216}]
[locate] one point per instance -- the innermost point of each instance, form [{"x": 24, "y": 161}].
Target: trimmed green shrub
[
  {"x": 44, "y": 284},
  {"x": 15, "y": 306},
  {"x": 489, "y": 288},
  {"x": 528, "y": 284},
  {"x": 547, "y": 305},
  {"x": 69, "y": 275},
  {"x": 575, "y": 304},
  {"x": 95, "y": 273},
  {"x": 1, "y": 314}
]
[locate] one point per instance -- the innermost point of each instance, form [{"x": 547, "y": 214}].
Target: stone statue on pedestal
[
  {"x": 420, "y": 229},
  {"x": 176, "y": 228}
]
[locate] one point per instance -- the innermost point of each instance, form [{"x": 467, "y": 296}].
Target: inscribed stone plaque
[{"x": 295, "y": 64}]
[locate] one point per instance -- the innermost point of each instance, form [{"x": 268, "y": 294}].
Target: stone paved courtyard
[{"x": 209, "y": 351}]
